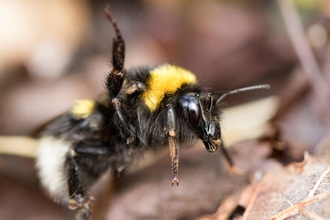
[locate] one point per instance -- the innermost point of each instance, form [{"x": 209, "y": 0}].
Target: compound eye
[
  {"x": 191, "y": 104},
  {"x": 194, "y": 111}
]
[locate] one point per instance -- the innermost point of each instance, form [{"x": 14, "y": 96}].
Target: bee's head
[{"x": 202, "y": 114}]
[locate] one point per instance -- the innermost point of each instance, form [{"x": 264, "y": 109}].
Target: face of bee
[{"x": 203, "y": 115}]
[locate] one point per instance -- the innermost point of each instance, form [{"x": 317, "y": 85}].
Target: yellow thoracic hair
[{"x": 165, "y": 79}]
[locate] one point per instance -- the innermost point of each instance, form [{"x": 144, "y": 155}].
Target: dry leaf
[{"x": 301, "y": 190}]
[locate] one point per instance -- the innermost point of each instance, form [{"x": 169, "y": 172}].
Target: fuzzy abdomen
[{"x": 50, "y": 163}]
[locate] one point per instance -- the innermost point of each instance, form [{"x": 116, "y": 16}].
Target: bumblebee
[{"x": 142, "y": 108}]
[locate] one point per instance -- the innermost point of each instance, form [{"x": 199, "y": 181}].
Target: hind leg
[{"x": 77, "y": 167}]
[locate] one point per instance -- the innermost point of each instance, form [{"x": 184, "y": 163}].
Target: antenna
[{"x": 244, "y": 89}]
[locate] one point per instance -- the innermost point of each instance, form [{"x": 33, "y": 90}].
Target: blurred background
[{"x": 53, "y": 52}]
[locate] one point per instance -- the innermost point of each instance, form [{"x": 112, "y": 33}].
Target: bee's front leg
[{"x": 174, "y": 147}]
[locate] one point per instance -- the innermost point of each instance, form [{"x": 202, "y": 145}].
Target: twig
[
  {"x": 304, "y": 52},
  {"x": 294, "y": 210},
  {"x": 292, "y": 92},
  {"x": 324, "y": 174},
  {"x": 252, "y": 201}
]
